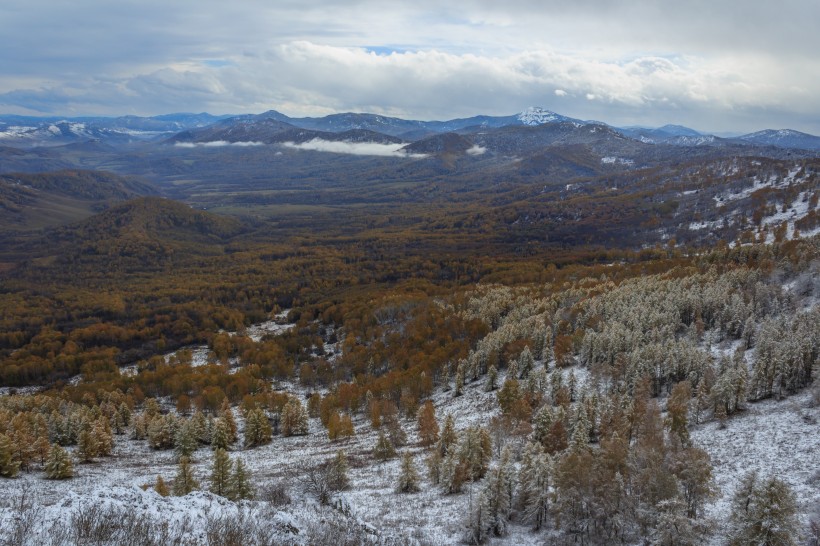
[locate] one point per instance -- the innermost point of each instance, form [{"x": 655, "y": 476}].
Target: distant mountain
[
  {"x": 408, "y": 129},
  {"x": 35, "y": 201},
  {"x": 784, "y": 138},
  {"x": 669, "y": 134},
  {"x": 51, "y": 131}
]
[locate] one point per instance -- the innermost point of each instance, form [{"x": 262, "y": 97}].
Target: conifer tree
[
  {"x": 677, "y": 409},
  {"x": 86, "y": 446},
  {"x": 337, "y": 472},
  {"x": 185, "y": 442},
  {"x": 492, "y": 379},
  {"x": 384, "y": 450},
  {"x": 294, "y": 418},
  {"x": 220, "y": 439},
  {"x": 240, "y": 486},
  {"x": 257, "y": 428},
  {"x": 161, "y": 488},
  {"x": 408, "y": 476},
  {"x": 449, "y": 437},
  {"x": 221, "y": 473},
  {"x": 459, "y": 387},
  {"x": 226, "y": 415},
  {"x": 534, "y": 479},
  {"x": 184, "y": 481},
  {"x": 8, "y": 466},
  {"x": 58, "y": 464},
  {"x": 763, "y": 512},
  {"x": 123, "y": 416},
  {"x": 525, "y": 362},
  {"x": 427, "y": 424}
]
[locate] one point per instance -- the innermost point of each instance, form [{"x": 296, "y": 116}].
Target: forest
[{"x": 528, "y": 360}]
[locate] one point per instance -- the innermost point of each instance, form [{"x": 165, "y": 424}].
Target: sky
[{"x": 721, "y": 66}]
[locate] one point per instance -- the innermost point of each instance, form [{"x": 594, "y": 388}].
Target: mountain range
[{"x": 273, "y": 126}]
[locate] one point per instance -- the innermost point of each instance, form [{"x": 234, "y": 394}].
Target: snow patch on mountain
[{"x": 535, "y": 115}]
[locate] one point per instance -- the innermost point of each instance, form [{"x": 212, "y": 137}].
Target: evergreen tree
[
  {"x": 220, "y": 438},
  {"x": 8, "y": 466},
  {"x": 384, "y": 450},
  {"x": 534, "y": 479},
  {"x": 492, "y": 379},
  {"x": 525, "y": 363},
  {"x": 449, "y": 437},
  {"x": 408, "y": 477},
  {"x": 240, "y": 486},
  {"x": 294, "y": 418},
  {"x": 764, "y": 513},
  {"x": 257, "y": 428},
  {"x": 221, "y": 473},
  {"x": 58, "y": 464},
  {"x": 86, "y": 446},
  {"x": 337, "y": 472},
  {"x": 184, "y": 481},
  {"x": 185, "y": 442},
  {"x": 459, "y": 388}
]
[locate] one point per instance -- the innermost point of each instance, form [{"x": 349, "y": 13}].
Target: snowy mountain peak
[{"x": 535, "y": 115}]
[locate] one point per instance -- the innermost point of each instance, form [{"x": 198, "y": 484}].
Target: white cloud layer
[
  {"x": 701, "y": 63},
  {"x": 352, "y": 148},
  {"x": 216, "y": 144}
]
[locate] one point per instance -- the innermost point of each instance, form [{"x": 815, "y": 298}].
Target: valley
[{"x": 574, "y": 333}]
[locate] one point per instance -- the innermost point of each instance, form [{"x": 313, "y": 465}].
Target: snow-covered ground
[{"x": 775, "y": 438}]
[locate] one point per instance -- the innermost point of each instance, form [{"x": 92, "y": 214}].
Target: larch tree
[
  {"x": 221, "y": 473},
  {"x": 764, "y": 513},
  {"x": 161, "y": 488},
  {"x": 408, "y": 481},
  {"x": 427, "y": 424},
  {"x": 240, "y": 485},
  {"x": 8, "y": 466},
  {"x": 58, "y": 464},
  {"x": 384, "y": 449},
  {"x": 184, "y": 481},
  {"x": 226, "y": 415}
]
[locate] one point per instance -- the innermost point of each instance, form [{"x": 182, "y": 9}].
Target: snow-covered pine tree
[
  {"x": 220, "y": 438},
  {"x": 185, "y": 440},
  {"x": 525, "y": 362},
  {"x": 763, "y": 512},
  {"x": 408, "y": 481},
  {"x": 534, "y": 485},
  {"x": 257, "y": 428},
  {"x": 492, "y": 379},
  {"x": 449, "y": 437},
  {"x": 384, "y": 449}
]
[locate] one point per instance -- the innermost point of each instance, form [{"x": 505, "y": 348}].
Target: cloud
[
  {"x": 694, "y": 62},
  {"x": 476, "y": 150},
  {"x": 353, "y": 148},
  {"x": 216, "y": 144}
]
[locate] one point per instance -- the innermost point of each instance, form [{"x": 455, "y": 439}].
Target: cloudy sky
[{"x": 715, "y": 65}]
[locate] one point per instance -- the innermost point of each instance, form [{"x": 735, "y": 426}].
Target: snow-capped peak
[{"x": 535, "y": 115}]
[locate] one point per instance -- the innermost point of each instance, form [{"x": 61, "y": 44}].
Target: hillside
[{"x": 34, "y": 201}]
